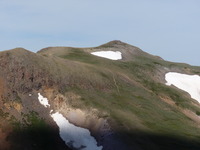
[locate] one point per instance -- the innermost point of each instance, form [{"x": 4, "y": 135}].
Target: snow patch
[
  {"x": 44, "y": 101},
  {"x": 73, "y": 136},
  {"x": 188, "y": 83},
  {"x": 108, "y": 54}
]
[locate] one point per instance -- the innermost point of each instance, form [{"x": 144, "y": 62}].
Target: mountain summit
[
  {"x": 110, "y": 97},
  {"x": 115, "y": 43}
]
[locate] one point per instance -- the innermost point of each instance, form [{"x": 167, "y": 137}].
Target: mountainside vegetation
[{"x": 124, "y": 103}]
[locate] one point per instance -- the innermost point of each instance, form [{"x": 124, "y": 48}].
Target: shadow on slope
[
  {"x": 37, "y": 138},
  {"x": 148, "y": 141},
  {"x": 35, "y": 134},
  {"x": 41, "y": 138}
]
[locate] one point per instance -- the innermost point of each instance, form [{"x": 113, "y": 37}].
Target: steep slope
[
  {"x": 22, "y": 72},
  {"x": 125, "y": 103}
]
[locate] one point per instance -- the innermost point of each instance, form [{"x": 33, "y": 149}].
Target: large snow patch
[
  {"x": 188, "y": 83},
  {"x": 74, "y": 136},
  {"x": 108, "y": 54}
]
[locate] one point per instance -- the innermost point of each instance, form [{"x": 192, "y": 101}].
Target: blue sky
[{"x": 168, "y": 28}]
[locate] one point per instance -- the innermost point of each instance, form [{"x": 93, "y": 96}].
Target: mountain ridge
[{"x": 124, "y": 103}]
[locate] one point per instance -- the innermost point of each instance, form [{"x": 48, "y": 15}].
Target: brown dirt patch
[{"x": 168, "y": 100}]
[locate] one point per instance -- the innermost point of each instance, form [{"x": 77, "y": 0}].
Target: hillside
[{"x": 124, "y": 103}]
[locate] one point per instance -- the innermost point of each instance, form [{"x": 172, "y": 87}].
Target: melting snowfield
[
  {"x": 109, "y": 54},
  {"x": 188, "y": 83},
  {"x": 75, "y": 137}
]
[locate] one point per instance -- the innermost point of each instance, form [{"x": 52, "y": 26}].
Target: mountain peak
[
  {"x": 119, "y": 101},
  {"x": 16, "y": 51},
  {"x": 114, "y": 43}
]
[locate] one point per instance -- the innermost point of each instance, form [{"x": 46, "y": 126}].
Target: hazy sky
[{"x": 168, "y": 28}]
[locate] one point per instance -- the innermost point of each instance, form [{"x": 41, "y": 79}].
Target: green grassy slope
[
  {"x": 133, "y": 92},
  {"x": 130, "y": 93}
]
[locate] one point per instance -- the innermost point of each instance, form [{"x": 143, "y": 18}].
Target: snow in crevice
[
  {"x": 187, "y": 83},
  {"x": 44, "y": 101},
  {"x": 74, "y": 137},
  {"x": 108, "y": 54}
]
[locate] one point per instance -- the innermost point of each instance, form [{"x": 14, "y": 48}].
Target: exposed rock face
[
  {"x": 23, "y": 73},
  {"x": 20, "y": 75}
]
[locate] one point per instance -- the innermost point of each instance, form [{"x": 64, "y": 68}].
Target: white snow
[
  {"x": 108, "y": 54},
  {"x": 44, "y": 101},
  {"x": 188, "y": 83},
  {"x": 76, "y": 137}
]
